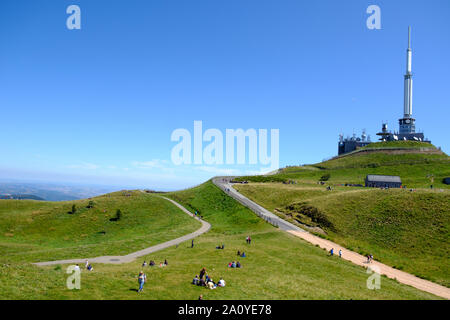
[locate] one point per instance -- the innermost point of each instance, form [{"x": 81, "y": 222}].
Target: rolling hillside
[
  {"x": 408, "y": 229},
  {"x": 277, "y": 266},
  {"x": 32, "y": 231}
]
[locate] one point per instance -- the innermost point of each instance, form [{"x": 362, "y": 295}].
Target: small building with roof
[{"x": 379, "y": 181}]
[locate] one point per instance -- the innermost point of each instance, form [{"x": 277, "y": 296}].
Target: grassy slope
[
  {"x": 399, "y": 144},
  {"x": 409, "y": 230},
  {"x": 39, "y": 231},
  {"x": 278, "y": 266},
  {"x": 413, "y": 169}
]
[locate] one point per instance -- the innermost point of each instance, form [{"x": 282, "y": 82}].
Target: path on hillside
[
  {"x": 401, "y": 276},
  {"x": 132, "y": 256}
]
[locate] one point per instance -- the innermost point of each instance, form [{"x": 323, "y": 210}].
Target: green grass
[
  {"x": 399, "y": 144},
  {"x": 32, "y": 231},
  {"x": 278, "y": 265},
  {"x": 408, "y": 230},
  {"x": 413, "y": 168}
]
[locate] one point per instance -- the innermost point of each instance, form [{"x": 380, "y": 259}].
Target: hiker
[
  {"x": 196, "y": 280},
  {"x": 221, "y": 283},
  {"x": 141, "y": 279},
  {"x": 340, "y": 253},
  {"x": 238, "y": 265},
  {"x": 144, "y": 264},
  {"x": 368, "y": 258},
  {"x": 202, "y": 273},
  {"x": 331, "y": 251}
]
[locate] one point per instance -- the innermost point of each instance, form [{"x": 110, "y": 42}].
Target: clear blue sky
[{"x": 98, "y": 105}]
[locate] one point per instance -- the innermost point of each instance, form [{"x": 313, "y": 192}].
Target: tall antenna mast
[{"x": 409, "y": 37}]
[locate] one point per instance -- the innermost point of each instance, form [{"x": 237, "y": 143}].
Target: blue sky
[{"x": 98, "y": 105}]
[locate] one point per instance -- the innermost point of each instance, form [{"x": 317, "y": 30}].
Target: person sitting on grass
[
  {"x": 144, "y": 264},
  {"x": 165, "y": 262},
  {"x": 196, "y": 280},
  {"x": 211, "y": 285},
  {"x": 243, "y": 254},
  {"x": 221, "y": 283},
  {"x": 90, "y": 268},
  {"x": 239, "y": 253},
  {"x": 152, "y": 263},
  {"x": 238, "y": 265},
  {"x": 223, "y": 246},
  {"x": 233, "y": 265},
  {"x": 202, "y": 282}
]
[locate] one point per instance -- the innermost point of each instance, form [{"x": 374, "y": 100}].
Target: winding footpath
[
  {"x": 132, "y": 256},
  {"x": 401, "y": 276}
]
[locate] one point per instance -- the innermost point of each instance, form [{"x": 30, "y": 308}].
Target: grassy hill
[
  {"x": 278, "y": 265},
  {"x": 413, "y": 166},
  {"x": 403, "y": 228},
  {"x": 32, "y": 231}
]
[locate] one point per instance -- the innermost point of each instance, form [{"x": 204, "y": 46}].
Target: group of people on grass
[
  {"x": 242, "y": 255},
  {"x": 234, "y": 264},
  {"x": 152, "y": 263},
  {"x": 332, "y": 252},
  {"x": 204, "y": 280}
]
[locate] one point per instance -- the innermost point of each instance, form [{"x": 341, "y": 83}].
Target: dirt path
[
  {"x": 132, "y": 256},
  {"x": 400, "y": 276}
]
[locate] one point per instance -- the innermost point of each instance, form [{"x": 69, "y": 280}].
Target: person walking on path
[
  {"x": 340, "y": 253},
  {"x": 142, "y": 278},
  {"x": 331, "y": 251}
]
